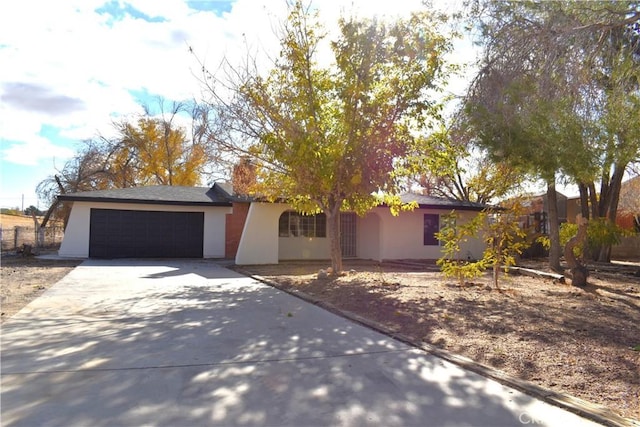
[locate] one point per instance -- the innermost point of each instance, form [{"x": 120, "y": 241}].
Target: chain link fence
[{"x": 14, "y": 238}]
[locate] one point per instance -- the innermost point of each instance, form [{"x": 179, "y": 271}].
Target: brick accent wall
[{"x": 234, "y": 226}]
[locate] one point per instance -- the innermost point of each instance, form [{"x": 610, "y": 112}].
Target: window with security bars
[{"x": 294, "y": 224}]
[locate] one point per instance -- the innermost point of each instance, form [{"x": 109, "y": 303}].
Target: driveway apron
[{"x": 190, "y": 343}]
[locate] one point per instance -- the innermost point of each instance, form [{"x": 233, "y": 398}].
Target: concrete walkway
[{"x": 190, "y": 343}]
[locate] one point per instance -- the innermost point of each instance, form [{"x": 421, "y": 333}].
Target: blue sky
[{"x": 71, "y": 67}]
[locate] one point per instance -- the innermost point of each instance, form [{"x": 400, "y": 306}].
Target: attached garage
[
  {"x": 147, "y": 222},
  {"x": 116, "y": 233}
]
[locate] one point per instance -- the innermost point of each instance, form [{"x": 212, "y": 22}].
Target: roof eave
[
  {"x": 71, "y": 198},
  {"x": 457, "y": 208}
]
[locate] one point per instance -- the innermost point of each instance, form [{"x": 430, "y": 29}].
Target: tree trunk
[
  {"x": 55, "y": 204},
  {"x": 586, "y": 214},
  {"x": 554, "y": 227},
  {"x": 579, "y": 273},
  {"x": 593, "y": 200},
  {"x": 47, "y": 215},
  {"x": 584, "y": 200},
  {"x": 333, "y": 232},
  {"x": 610, "y": 208}
]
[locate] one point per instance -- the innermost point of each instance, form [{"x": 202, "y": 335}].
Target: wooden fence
[{"x": 13, "y": 238}]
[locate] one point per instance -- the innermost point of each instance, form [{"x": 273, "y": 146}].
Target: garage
[
  {"x": 116, "y": 233},
  {"x": 159, "y": 221}
]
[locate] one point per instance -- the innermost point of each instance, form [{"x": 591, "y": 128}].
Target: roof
[
  {"x": 221, "y": 194},
  {"x": 156, "y": 195},
  {"x": 441, "y": 202}
]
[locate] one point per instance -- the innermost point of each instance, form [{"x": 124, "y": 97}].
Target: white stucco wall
[
  {"x": 259, "y": 241},
  {"x": 291, "y": 248},
  {"x": 401, "y": 237},
  {"x": 261, "y": 244},
  {"x": 380, "y": 236},
  {"x": 368, "y": 236},
  {"x": 76, "y": 237}
]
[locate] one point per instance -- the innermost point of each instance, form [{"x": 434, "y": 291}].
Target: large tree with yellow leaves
[
  {"x": 327, "y": 137},
  {"x": 147, "y": 151}
]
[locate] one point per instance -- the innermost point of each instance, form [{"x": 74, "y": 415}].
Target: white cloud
[
  {"x": 34, "y": 149},
  {"x": 82, "y": 66}
]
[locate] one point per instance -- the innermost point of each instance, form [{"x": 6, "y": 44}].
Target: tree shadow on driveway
[{"x": 132, "y": 348}]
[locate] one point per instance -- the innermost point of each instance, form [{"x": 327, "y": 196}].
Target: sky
[{"x": 70, "y": 68}]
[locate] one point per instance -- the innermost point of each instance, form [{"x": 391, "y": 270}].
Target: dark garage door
[{"x": 145, "y": 234}]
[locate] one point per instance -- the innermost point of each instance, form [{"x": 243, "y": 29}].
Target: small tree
[
  {"x": 505, "y": 239},
  {"x": 500, "y": 230},
  {"x": 32, "y": 210},
  {"x": 452, "y": 237}
]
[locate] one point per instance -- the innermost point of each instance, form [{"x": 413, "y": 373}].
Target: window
[
  {"x": 292, "y": 224},
  {"x": 431, "y": 227}
]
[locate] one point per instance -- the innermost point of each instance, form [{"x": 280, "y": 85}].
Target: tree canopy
[
  {"x": 557, "y": 93},
  {"x": 332, "y": 136},
  {"x": 147, "y": 151},
  {"x": 451, "y": 166}
]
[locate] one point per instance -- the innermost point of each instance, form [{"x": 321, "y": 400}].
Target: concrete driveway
[{"x": 190, "y": 343}]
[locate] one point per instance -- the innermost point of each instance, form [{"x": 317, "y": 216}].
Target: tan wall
[
  {"x": 368, "y": 235},
  {"x": 629, "y": 247},
  {"x": 380, "y": 236},
  {"x": 401, "y": 237}
]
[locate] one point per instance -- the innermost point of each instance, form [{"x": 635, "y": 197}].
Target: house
[
  {"x": 201, "y": 222},
  {"x": 537, "y": 209}
]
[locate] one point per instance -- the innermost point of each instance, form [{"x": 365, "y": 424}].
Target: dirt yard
[
  {"x": 25, "y": 278},
  {"x": 583, "y": 342}
]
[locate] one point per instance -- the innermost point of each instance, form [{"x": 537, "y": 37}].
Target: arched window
[{"x": 293, "y": 224}]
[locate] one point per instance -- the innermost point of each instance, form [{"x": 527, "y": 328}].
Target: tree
[
  {"x": 579, "y": 273},
  {"x": 500, "y": 230},
  {"x": 453, "y": 168},
  {"x": 32, "y": 210},
  {"x": 330, "y": 137},
  {"x": 557, "y": 82},
  {"x": 505, "y": 238},
  {"x": 452, "y": 235},
  {"x": 151, "y": 150},
  {"x": 87, "y": 170},
  {"x": 521, "y": 125}
]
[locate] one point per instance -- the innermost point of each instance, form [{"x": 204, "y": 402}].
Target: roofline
[
  {"x": 71, "y": 198},
  {"x": 456, "y": 208},
  {"x": 385, "y": 206}
]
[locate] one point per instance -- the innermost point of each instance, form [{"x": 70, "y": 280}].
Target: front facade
[
  {"x": 165, "y": 222},
  {"x": 273, "y": 233}
]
